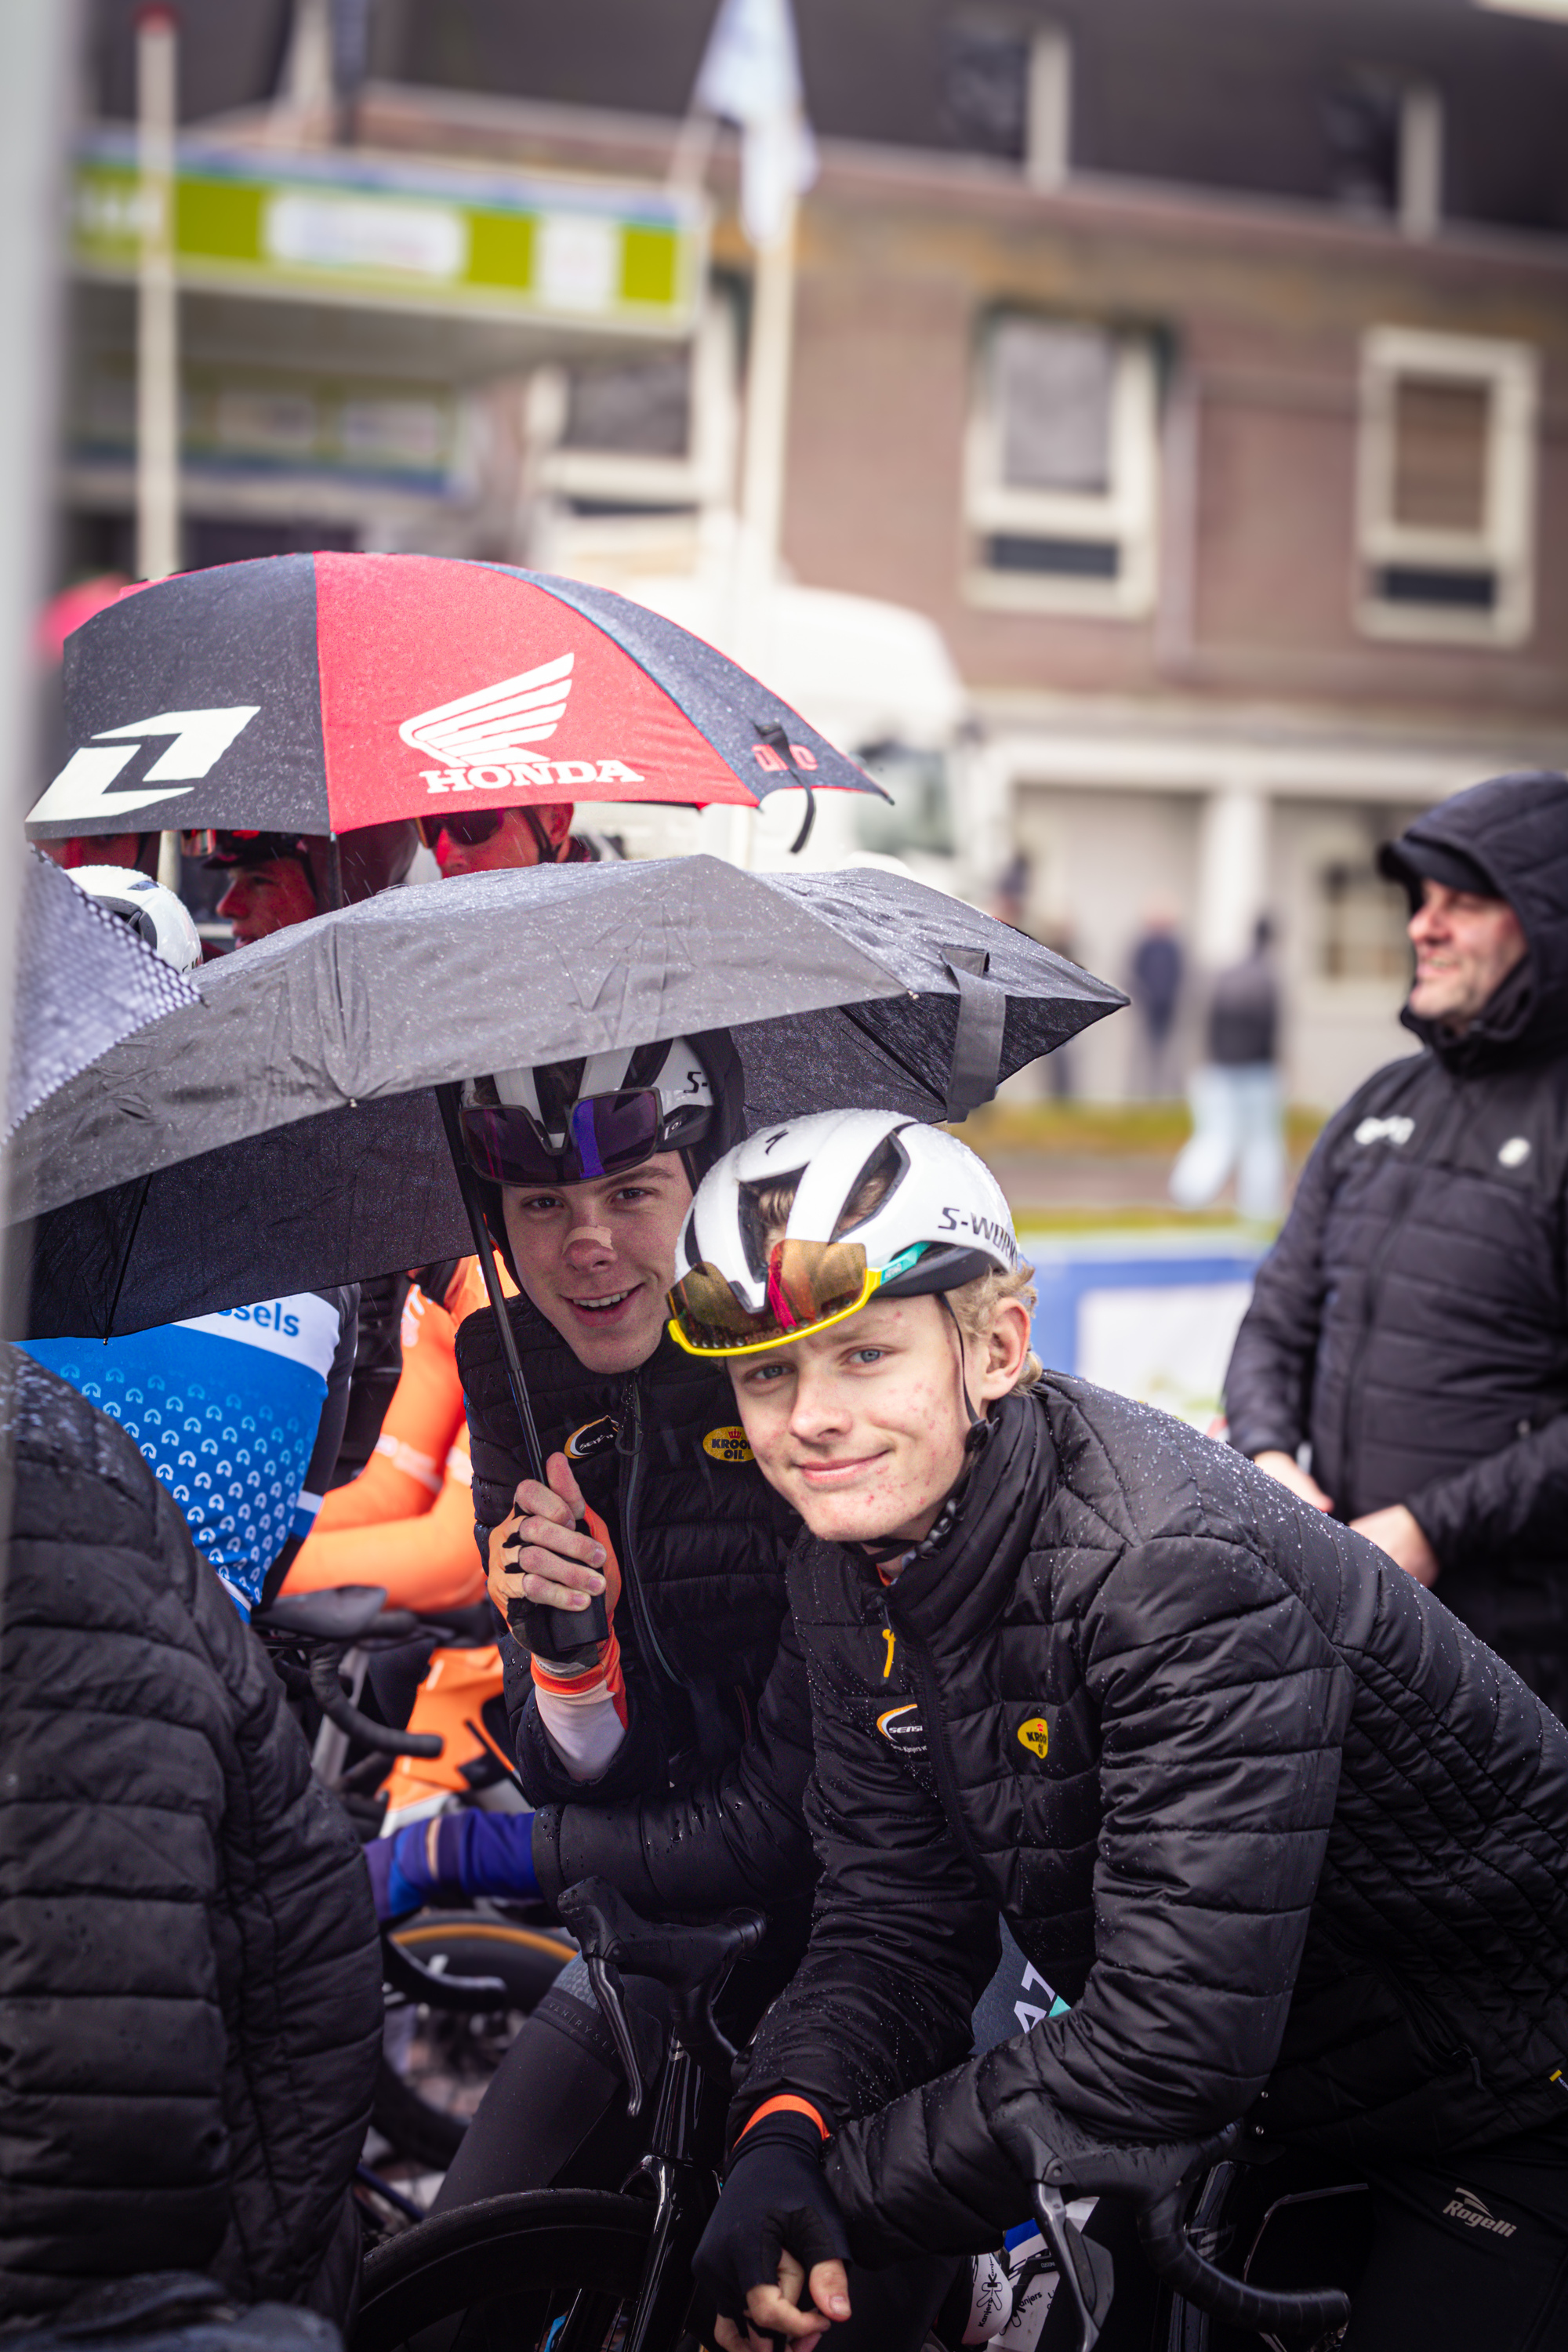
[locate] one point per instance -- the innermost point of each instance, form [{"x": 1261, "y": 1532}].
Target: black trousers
[
  {"x": 555, "y": 2115},
  {"x": 1468, "y": 2251}
]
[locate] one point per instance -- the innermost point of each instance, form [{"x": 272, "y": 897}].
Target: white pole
[
  {"x": 157, "y": 328},
  {"x": 35, "y": 132},
  {"x": 768, "y": 361},
  {"x": 157, "y": 314}
]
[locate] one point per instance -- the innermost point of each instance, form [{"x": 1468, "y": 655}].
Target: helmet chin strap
[
  {"x": 549, "y": 851},
  {"x": 975, "y": 1420}
]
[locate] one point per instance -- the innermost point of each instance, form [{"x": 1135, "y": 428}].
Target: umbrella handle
[{"x": 564, "y": 1635}]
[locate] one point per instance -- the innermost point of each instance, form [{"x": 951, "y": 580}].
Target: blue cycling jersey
[{"x": 226, "y": 1409}]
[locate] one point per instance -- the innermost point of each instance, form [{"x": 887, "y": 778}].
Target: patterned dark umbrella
[
  {"x": 84, "y": 980},
  {"x": 283, "y": 1133},
  {"x": 319, "y": 694}
]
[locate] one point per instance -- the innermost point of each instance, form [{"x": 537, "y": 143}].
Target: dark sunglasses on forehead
[
  {"x": 606, "y": 1134},
  {"x": 467, "y": 832}
]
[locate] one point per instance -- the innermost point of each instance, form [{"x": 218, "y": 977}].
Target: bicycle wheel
[
  {"x": 550, "y": 2270},
  {"x": 459, "y": 1944}
]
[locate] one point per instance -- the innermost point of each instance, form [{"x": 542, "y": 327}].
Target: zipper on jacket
[
  {"x": 631, "y": 1580},
  {"x": 936, "y": 1740},
  {"x": 1435, "y": 1137}
]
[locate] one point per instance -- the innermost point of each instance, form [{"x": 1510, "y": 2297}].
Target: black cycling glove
[{"x": 774, "y": 2197}]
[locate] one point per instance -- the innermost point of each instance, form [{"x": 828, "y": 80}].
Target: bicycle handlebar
[
  {"x": 691, "y": 1961},
  {"x": 1302, "y": 2311},
  {"x": 341, "y": 1709},
  {"x": 1154, "y": 2178}
]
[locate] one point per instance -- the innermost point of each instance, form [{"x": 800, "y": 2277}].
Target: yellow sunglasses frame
[{"x": 875, "y": 1276}]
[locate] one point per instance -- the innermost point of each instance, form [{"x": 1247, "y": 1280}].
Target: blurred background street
[{"x": 1134, "y": 429}]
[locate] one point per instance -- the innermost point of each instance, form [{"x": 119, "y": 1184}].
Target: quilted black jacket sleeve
[
  {"x": 1268, "y": 1382},
  {"x": 189, "y": 1980},
  {"x": 1511, "y": 1503},
  {"x": 735, "y": 1836}
]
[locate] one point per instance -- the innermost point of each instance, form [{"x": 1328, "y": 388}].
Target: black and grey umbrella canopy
[{"x": 282, "y": 1134}]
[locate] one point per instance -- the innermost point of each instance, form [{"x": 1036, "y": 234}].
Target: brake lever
[
  {"x": 1088, "y": 2269},
  {"x": 699, "y": 2030},
  {"x": 612, "y": 2009}
]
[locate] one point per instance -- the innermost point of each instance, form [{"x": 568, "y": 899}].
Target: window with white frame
[
  {"x": 1447, "y": 487},
  {"x": 632, "y": 450},
  {"x": 1060, "y": 468}
]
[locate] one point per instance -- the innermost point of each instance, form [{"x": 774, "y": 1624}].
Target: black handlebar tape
[{"x": 1304, "y": 2312}]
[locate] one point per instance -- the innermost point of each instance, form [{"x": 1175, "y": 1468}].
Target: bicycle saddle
[{"x": 691, "y": 1960}]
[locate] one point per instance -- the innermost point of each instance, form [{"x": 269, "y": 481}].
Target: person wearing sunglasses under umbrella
[{"x": 480, "y": 841}]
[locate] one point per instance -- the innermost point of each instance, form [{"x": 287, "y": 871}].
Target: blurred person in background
[
  {"x": 1237, "y": 1115},
  {"x": 1156, "y": 990},
  {"x": 241, "y": 1413},
  {"x": 1411, "y": 1323},
  {"x": 1011, "y": 903},
  {"x": 136, "y": 852}
]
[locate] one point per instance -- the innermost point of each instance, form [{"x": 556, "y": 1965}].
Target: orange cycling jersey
[{"x": 406, "y": 1522}]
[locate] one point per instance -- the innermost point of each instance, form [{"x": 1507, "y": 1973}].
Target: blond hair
[{"x": 974, "y": 1304}]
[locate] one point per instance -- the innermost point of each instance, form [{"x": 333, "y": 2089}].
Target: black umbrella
[{"x": 283, "y": 1133}]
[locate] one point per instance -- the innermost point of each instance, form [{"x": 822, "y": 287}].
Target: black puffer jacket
[
  {"x": 700, "y": 1536},
  {"x": 1412, "y": 1320},
  {"x": 190, "y": 1980},
  {"x": 1287, "y": 1837},
  {"x": 730, "y": 1837}
]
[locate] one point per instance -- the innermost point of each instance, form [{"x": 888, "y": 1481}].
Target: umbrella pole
[
  {"x": 447, "y": 1099},
  {"x": 562, "y": 1632}
]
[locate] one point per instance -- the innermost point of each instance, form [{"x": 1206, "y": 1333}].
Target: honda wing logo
[
  {"x": 82, "y": 789},
  {"x": 484, "y": 739},
  {"x": 496, "y": 724}
]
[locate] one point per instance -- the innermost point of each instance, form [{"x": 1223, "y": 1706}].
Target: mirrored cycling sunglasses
[
  {"x": 810, "y": 1285},
  {"x": 605, "y": 1135},
  {"x": 467, "y": 831}
]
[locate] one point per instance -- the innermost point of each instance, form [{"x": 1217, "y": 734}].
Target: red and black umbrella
[{"x": 321, "y": 693}]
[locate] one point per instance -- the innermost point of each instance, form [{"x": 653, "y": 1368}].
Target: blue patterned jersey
[{"x": 227, "y": 1409}]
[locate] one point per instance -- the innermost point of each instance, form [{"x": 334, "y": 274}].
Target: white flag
[{"x": 750, "y": 76}]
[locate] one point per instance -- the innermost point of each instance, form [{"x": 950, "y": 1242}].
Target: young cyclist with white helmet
[{"x": 1290, "y": 1841}]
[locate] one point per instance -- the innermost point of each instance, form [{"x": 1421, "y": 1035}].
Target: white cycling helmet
[
  {"x": 939, "y": 1220},
  {"x": 153, "y": 912},
  {"x": 569, "y": 1122}
]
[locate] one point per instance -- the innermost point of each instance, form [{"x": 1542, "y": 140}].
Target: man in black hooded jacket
[{"x": 1411, "y": 1323}]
